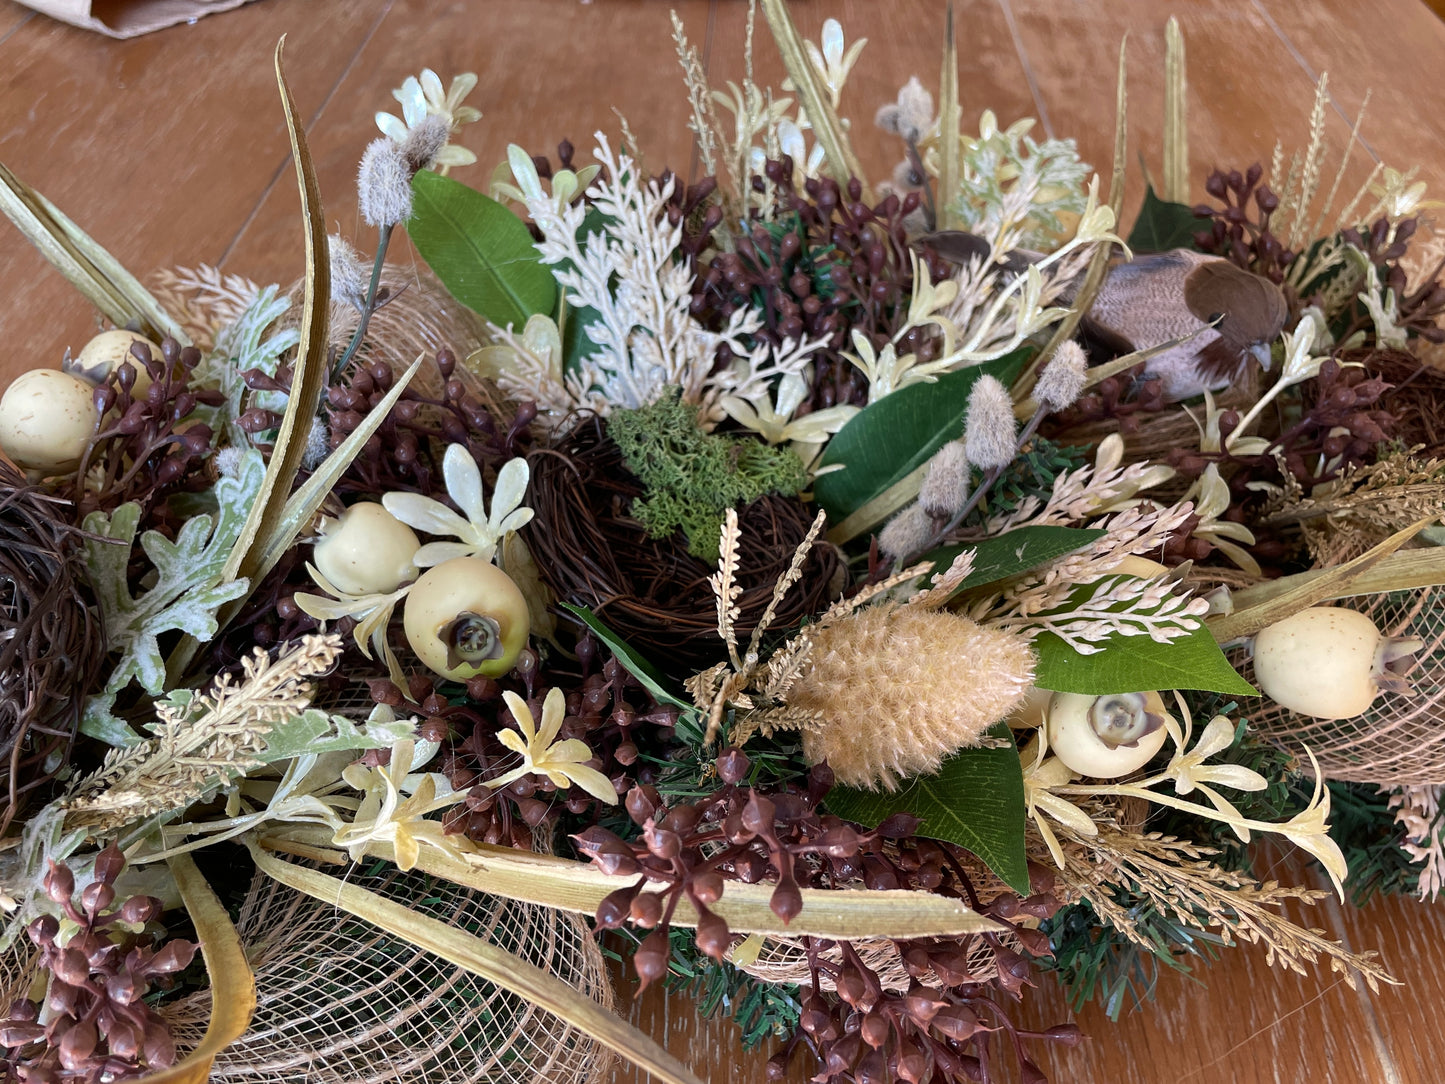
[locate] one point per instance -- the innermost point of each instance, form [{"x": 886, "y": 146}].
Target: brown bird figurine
[{"x": 1162, "y": 296}]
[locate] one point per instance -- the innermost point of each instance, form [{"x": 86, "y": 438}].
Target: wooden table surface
[{"x": 170, "y": 149}]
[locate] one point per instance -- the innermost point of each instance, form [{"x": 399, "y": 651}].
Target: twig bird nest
[
  {"x": 653, "y": 592},
  {"x": 52, "y": 645}
]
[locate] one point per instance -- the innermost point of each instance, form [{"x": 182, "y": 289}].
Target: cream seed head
[
  {"x": 990, "y": 434},
  {"x": 383, "y": 184},
  {"x": 1062, "y": 381},
  {"x": 946, "y": 482}
]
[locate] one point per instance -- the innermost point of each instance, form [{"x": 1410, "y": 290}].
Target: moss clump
[{"x": 693, "y": 477}]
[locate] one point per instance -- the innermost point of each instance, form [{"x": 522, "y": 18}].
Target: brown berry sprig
[
  {"x": 1236, "y": 231},
  {"x": 829, "y": 264},
  {"x": 98, "y": 1027},
  {"x": 145, "y": 446},
  {"x": 864, "y": 1031}
]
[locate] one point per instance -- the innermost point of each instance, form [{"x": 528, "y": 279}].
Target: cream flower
[
  {"x": 385, "y": 816},
  {"x": 1040, "y": 778},
  {"x": 480, "y": 532},
  {"x": 422, "y": 97},
  {"x": 565, "y": 183},
  {"x": 563, "y": 762},
  {"x": 372, "y": 614},
  {"x": 768, "y": 416}
]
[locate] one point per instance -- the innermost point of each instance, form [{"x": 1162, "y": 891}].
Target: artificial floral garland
[{"x": 867, "y": 592}]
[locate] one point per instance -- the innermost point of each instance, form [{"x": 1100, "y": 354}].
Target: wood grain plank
[
  {"x": 1404, "y": 115},
  {"x": 158, "y": 146},
  {"x": 553, "y": 82},
  {"x": 1246, "y": 92},
  {"x": 11, "y": 16}
]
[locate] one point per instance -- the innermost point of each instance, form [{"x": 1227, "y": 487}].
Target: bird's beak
[{"x": 1261, "y": 355}]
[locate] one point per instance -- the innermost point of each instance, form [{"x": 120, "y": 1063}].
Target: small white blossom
[
  {"x": 423, "y": 97},
  {"x": 480, "y": 533}
]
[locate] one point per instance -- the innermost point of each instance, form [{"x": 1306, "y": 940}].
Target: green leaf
[
  {"x": 1133, "y": 664},
  {"x": 481, "y": 251},
  {"x": 651, "y": 678},
  {"x": 976, "y": 801},
  {"x": 1014, "y": 552},
  {"x": 1162, "y": 226},
  {"x": 189, "y": 588},
  {"x": 891, "y": 438}
]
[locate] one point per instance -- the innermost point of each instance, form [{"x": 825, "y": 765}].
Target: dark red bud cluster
[{"x": 99, "y": 1027}]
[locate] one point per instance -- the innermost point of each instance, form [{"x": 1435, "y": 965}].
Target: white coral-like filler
[{"x": 646, "y": 340}]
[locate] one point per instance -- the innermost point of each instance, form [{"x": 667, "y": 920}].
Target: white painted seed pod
[
  {"x": 1105, "y": 737},
  {"x": 46, "y": 419},
  {"x": 366, "y": 550},
  {"x": 1328, "y": 662}
]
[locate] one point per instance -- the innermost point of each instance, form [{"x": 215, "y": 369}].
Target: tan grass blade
[
  {"x": 233, "y": 988},
  {"x": 1291, "y": 594},
  {"x": 950, "y": 144},
  {"x": 85, "y": 264},
  {"x": 1176, "y": 117},
  {"x": 842, "y": 162},
  {"x": 839, "y": 914}
]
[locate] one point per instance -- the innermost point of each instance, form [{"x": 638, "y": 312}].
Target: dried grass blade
[
  {"x": 310, "y": 373},
  {"x": 840, "y": 914},
  {"x": 1292, "y": 594},
  {"x": 310, "y": 370},
  {"x": 482, "y": 958},
  {"x": 949, "y": 119},
  {"x": 880, "y": 507},
  {"x": 842, "y": 162},
  {"x": 1176, "y": 117},
  {"x": 233, "y": 987},
  {"x": 85, "y": 264}
]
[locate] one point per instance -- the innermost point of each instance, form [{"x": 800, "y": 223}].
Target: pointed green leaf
[
  {"x": 1133, "y": 664},
  {"x": 976, "y": 801},
  {"x": 1013, "y": 552},
  {"x": 481, "y": 251},
  {"x": 889, "y": 439},
  {"x": 1162, "y": 226},
  {"x": 651, "y": 678}
]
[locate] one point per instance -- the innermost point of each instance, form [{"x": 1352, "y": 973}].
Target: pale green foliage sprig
[
  {"x": 1001, "y": 162},
  {"x": 252, "y": 341},
  {"x": 186, "y": 592}
]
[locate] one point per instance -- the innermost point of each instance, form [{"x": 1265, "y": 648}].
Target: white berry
[
  {"x": 1327, "y": 662},
  {"x": 46, "y": 419},
  {"x": 1105, "y": 737},
  {"x": 366, "y": 550}
]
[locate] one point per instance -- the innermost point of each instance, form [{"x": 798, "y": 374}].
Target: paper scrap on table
[{"x": 129, "y": 18}]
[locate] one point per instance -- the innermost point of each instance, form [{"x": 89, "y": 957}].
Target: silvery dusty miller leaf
[{"x": 184, "y": 598}]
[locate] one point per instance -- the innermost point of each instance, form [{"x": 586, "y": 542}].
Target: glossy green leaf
[
  {"x": 651, "y": 678},
  {"x": 1132, "y": 664},
  {"x": 480, "y": 250},
  {"x": 1162, "y": 226},
  {"x": 1013, "y": 552},
  {"x": 891, "y": 438},
  {"x": 976, "y": 801}
]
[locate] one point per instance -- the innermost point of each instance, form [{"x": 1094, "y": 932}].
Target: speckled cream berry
[
  {"x": 46, "y": 419},
  {"x": 465, "y": 618},
  {"x": 103, "y": 354},
  {"x": 1328, "y": 662},
  {"x": 1105, "y": 737},
  {"x": 366, "y": 550}
]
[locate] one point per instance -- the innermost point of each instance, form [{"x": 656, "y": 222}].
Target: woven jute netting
[
  {"x": 1401, "y": 739},
  {"x": 340, "y": 1002}
]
